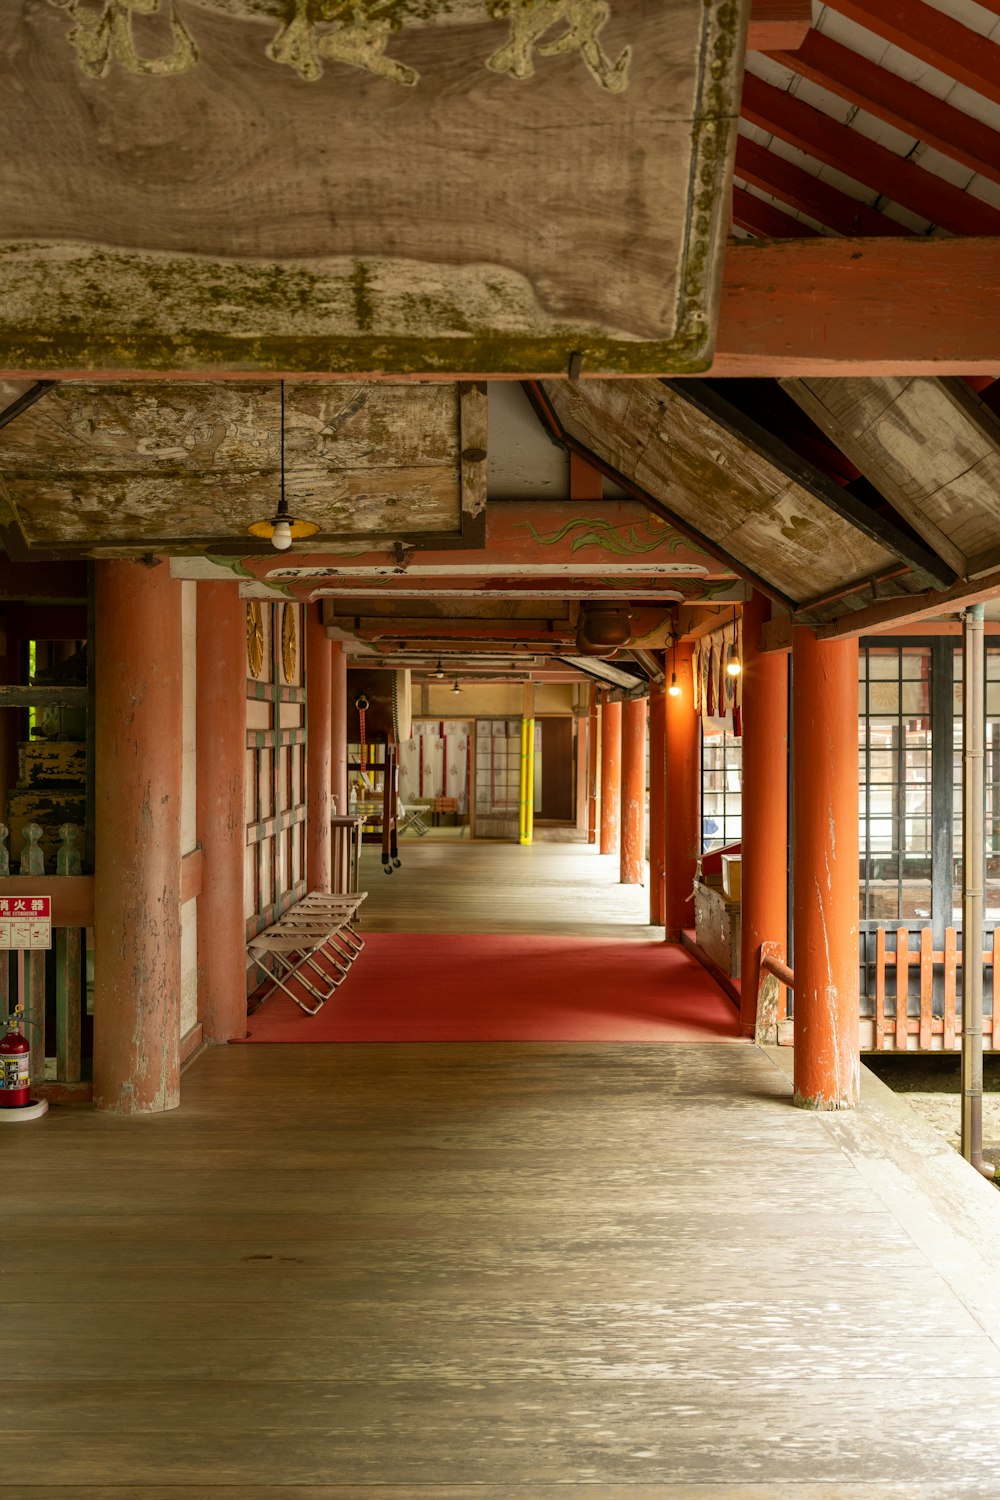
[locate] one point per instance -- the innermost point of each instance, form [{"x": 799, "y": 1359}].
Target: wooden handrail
[{"x": 773, "y": 973}]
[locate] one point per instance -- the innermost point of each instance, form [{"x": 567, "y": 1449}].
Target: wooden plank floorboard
[
  {"x": 499, "y": 1272},
  {"x": 559, "y": 889}
]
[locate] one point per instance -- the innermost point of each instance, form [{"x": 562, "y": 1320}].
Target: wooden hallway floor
[
  {"x": 497, "y": 1272},
  {"x": 562, "y": 889}
]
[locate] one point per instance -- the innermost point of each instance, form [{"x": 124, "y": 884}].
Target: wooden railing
[
  {"x": 893, "y": 1026},
  {"x": 892, "y": 1031}
]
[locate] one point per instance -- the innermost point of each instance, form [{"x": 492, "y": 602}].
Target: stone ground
[{"x": 932, "y": 1086}]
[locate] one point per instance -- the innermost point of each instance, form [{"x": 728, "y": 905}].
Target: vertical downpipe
[{"x": 973, "y": 876}]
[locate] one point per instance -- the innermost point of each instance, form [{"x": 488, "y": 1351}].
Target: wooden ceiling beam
[
  {"x": 808, "y": 306},
  {"x": 860, "y": 307},
  {"x": 788, "y": 19},
  {"x": 766, "y": 220},
  {"x": 848, "y": 151},
  {"x": 926, "y": 564},
  {"x": 933, "y": 37},
  {"x": 890, "y": 614},
  {"x": 898, "y": 102},
  {"x": 810, "y": 195}
]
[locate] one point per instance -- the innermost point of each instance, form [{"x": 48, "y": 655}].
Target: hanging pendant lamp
[{"x": 283, "y": 528}]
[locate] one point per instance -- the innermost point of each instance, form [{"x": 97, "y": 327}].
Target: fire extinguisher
[{"x": 15, "y": 1066}]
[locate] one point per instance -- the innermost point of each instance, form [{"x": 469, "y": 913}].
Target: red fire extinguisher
[{"x": 15, "y": 1067}]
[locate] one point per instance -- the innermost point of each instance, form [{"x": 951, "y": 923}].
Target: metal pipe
[{"x": 973, "y": 881}]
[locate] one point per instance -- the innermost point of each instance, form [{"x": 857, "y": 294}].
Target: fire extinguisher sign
[{"x": 25, "y": 922}]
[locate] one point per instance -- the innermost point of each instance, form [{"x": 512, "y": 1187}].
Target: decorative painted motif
[
  {"x": 353, "y": 32},
  {"x": 599, "y": 532},
  {"x": 289, "y": 647},
  {"x": 255, "y": 638}
]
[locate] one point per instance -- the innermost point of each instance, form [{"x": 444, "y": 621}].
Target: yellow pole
[
  {"x": 522, "y": 806},
  {"x": 529, "y": 790}
]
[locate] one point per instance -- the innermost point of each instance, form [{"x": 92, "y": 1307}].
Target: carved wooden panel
[
  {"x": 719, "y": 486},
  {"x": 414, "y": 185},
  {"x": 107, "y": 469},
  {"x": 930, "y": 446}
]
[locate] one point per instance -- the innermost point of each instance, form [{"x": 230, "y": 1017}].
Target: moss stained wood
[{"x": 465, "y": 225}]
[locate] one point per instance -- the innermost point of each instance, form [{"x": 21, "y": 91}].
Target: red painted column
[
  {"x": 825, "y": 871},
  {"x": 338, "y": 727},
  {"x": 683, "y": 809},
  {"x": 593, "y": 770},
  {"x": 319, "y": 743},
  {"x": 137, "y": 827},
  {"x": 765, "y": 803},
  {"x": 611, "y": 775},
  {"x": 657, "y": 804},
  {"x": 633, "y": 790},
  {"x": 221, "y": 762}
]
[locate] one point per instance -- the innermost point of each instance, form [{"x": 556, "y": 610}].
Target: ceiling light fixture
[
  {"x": 674, "y": 689},
  {"x": 282, "y": 528},
  {"x": 457, "y": 688},
  {"x": 733, "y": 664},
  {"x": 439, "y": 670}
]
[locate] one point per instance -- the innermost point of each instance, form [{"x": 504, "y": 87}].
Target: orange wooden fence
[{"x": 892, "y": 1031}]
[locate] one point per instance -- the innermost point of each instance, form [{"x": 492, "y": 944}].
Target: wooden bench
[{"x": 310, "y": 949}]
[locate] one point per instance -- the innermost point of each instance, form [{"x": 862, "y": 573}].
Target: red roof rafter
[
  {"x": 765, "y": 220},
  {"x": 848, "y": 151},
  {"x": 800, "y": 189},
  {"x": 934, "y": 37},
  {"x": 901, "y": 104},
  {"x": 779, "y": 24}
]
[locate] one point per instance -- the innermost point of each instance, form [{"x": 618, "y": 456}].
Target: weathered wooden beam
[
  {"x": 935, "y": 37},
  {"x": 947, "y": 488},
  {"x": 890, "y": 614},
  {"x": 860, "y": 307},
  {"x": 45, "y": 582},
  {"x": 844, "y": 149},
  {"x": 814, "y": 305},
  {"x": 927, "y": 565},
  {"x": 898, "y": 102},
  {"x": 43, "y": 697},
  {"x": 704, "y": 475}
]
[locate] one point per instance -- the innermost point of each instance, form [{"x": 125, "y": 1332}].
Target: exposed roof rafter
[
  {"x": 936, "y": 38},
  {"x": 846, "y": 150},
  {"x": 898, "y": 102},
  {"x": 800, "y": 189}
]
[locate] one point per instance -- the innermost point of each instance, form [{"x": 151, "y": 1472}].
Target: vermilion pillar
[
  {"x": 633, "y": 789},
  {"x": 683, "y": 805},
  {"x": 657, "y": 803},
  {"x": 137, "y": 825},
  {"x": 611, "y": 775},
  {"x": 592, "y": 767},
  {"x": 221, "y": 798},
  {"x": 765, "y": 803},
  {"x": 319, "y": 744},
  {"x": 825, "y": 899},
  {"x": 338, "y": 727}
]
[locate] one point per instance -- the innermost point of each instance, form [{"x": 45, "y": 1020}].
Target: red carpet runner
[{"x": 426, "y": 987}]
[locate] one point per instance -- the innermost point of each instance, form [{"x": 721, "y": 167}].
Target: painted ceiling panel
[
  {"x": 106, "y": 468},
  {"x": 771, "y": 526},
  {"x": 405, "y": 186},
  {"x": 930, "y": 446}
]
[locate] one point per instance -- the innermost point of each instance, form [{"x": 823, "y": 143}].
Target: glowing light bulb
[
  {"x": 733, "y": 664},
  {"x": 281, "y": 537},
  {"x": 674, "y": 688}
]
